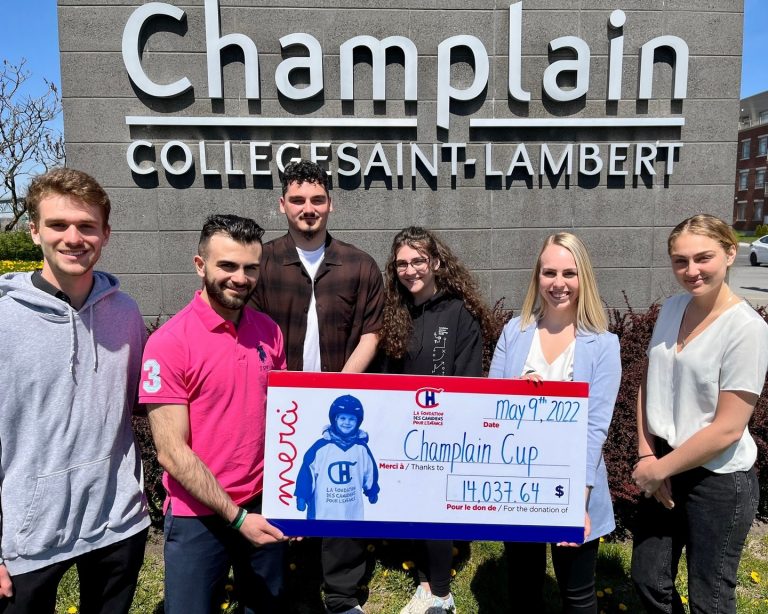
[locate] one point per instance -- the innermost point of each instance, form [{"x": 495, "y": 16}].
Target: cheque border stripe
[
  {"x": 426, "y": 530},
  {"x": 463, "y": 385}
]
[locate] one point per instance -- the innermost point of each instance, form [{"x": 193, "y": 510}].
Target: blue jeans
[
  {"x": 199, "y": 551},
  {"x": 712, "y": 515}
]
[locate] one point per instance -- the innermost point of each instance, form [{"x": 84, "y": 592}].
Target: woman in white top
[
  {"x": 562, "y": 335},
  {"x": 707, "y": 362}
]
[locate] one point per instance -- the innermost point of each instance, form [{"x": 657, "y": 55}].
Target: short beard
[
  {"x": 216, "y": 293},
  {"x": 309, "y": 234}
]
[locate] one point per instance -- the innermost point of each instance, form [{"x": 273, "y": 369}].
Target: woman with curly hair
[{"x": 434, "y": 323}]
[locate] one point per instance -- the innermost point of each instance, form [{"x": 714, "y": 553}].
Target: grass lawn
[
  {"x": 478, "y": 588},
  {"x": 745, "y": 238}
]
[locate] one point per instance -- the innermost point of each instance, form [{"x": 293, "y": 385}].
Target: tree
[{"x": 28, "y": 142}]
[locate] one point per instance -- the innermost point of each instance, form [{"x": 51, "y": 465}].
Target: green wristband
[{"x": 238, "y": 521}]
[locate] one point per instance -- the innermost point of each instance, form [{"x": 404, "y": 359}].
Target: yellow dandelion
[
  {"x": 71, "y": 610},
  {"x": 225, "y": 605},
  {"x": 453, "y": 573},
  {"x": 370, "y": 547},
  {"x": 755, "y": 577},
  {"x": 229, "y": 588},
  {"x": 386, "y": 573},
  {"x": 600, "y": 594},
  {"x": 455, "y": 551},
  {"x": 608, "y": 590},
  {"x": 407, "y": 565},
  {"x": 292, "y": 566},
  {"x": 602, "y": 540},
  {"x": 622, "y": 607},
  {"x": 683, "y": 599}
]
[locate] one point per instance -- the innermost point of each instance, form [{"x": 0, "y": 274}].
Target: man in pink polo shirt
[{"x": 205, "y": 381}]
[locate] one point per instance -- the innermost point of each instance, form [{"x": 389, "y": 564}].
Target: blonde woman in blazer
[{"x": 562, "y": 334}]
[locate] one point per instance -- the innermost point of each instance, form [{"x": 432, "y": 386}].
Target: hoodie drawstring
[
  {"x": 73, "y": 339},
  {"x": 93, "y": 339}
]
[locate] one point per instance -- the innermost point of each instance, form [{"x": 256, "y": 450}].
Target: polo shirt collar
[
  {"x": 39, "y": 282},
  {"x": 210, "y": 319}
]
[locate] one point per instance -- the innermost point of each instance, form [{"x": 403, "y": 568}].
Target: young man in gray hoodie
[{"x": 71, "y": 485}]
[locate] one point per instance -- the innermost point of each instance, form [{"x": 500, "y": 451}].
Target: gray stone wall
[{"x": 495, "y": 226}]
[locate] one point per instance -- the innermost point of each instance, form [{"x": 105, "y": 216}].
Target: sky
[{"x": 37, "y": 41}]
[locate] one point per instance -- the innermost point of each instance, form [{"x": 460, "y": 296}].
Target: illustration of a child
[{"x": 339, "y": 468}]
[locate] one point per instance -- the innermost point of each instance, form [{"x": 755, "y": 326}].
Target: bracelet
[
  {"x": 238, "y": 520},
  {"x": 639, "y": 458}
]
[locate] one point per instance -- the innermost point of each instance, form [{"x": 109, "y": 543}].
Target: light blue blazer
[{"x": 596, "y": 360}]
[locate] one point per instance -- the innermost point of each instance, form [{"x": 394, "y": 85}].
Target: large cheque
[{"x": 427, "y": 457}]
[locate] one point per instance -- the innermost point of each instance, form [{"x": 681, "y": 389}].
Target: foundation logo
[{"x": 426, "y": 398}]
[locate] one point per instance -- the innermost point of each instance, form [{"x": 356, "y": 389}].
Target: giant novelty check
[{"x": 425, "y": 457}]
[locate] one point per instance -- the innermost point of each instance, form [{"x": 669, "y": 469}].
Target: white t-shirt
[
  {"x": 683, "y": 387},
  {"x": 311, "y": 261},
  {"x": 561, "y": 369}
]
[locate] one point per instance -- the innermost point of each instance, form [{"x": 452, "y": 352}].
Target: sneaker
[
  {"x": 356, "y": 610},
  {"x": 423, "y": 602}
]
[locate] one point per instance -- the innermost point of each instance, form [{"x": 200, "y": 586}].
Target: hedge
[
  {"x": 634, "y": 331},
  {"x": 18, "y": 245}
]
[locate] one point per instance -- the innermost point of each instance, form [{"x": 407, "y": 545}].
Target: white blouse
[
  {"x": 683, "y": 387},
  {"x": 561, "y": 369}
]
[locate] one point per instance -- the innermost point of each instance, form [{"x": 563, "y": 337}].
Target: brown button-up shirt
[{"x": 349, "y": 297}]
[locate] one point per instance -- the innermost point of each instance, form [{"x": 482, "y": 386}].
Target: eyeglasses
[{"x": 420, "y": 265}]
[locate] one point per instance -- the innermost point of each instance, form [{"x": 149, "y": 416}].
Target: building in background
[
  {"x": 749, "y": 195},
  {"x": 493, "y": 123}
]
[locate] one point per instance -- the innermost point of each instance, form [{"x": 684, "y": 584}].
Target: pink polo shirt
[{"x": 219, "y": 372}]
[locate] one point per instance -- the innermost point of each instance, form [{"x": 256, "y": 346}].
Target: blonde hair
[
  {"x": 590, "y": 315},
  {"x": 708, "y": 226}
]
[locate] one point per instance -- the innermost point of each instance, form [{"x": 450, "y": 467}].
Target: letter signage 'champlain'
[{"x": 307, "y": 57}]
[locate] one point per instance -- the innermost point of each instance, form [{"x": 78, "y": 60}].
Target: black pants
[
  {"x": 712, "y": 516},
  {"x": 344, "y": 562},
  {"x": 434, "y": 565},
  {"x": 574, "y": 570},
  {"x": 107, "y": 581}
]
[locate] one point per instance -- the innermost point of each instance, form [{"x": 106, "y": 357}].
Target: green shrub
[
  {"x": 18, "y": 245},
  {"x": 760, "y": 230}
]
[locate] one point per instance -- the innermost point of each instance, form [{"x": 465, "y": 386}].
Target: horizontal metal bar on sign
[
  {"x": 273, "y": 122},
  {"x": 578, "y": 122}
]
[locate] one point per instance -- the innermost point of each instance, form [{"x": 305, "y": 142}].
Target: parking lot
[{"x": 749, "y": 282}]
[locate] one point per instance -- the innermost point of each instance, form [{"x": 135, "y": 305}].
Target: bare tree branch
[{"x": 28, "y": 143}]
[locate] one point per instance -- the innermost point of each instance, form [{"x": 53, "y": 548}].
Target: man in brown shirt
[{"x": 327, "y": 297}]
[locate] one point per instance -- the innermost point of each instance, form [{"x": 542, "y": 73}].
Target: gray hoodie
[{"x": 70, "y": 473}]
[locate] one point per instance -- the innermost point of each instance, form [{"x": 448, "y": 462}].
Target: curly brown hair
[{"x": 451, "y": 277}]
